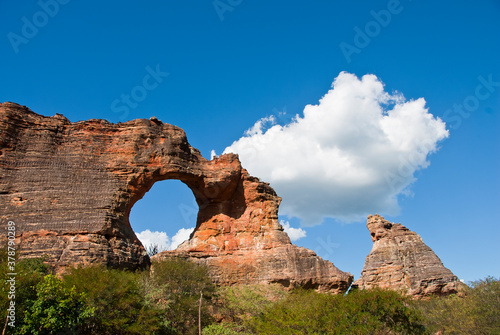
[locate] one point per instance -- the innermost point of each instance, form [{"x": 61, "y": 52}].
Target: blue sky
[{"x": 221, "y": 66}]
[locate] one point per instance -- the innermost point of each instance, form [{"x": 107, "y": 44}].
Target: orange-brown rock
[
  {"x": 69, "y": 188},
  {"x": 253, "y": 248},
  {"x": 401, "y": 261}
]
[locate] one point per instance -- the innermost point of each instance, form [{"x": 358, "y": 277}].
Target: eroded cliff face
[
  {"x": 401, "y": 261},
  {"x": 69, "y": 187}
]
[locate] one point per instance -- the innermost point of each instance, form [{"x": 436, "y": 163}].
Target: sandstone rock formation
[
  {"x": 400, "y": 260},
  {"x": 69, "y": 188}
]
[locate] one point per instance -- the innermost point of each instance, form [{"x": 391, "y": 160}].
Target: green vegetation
[
  {"x": 56, "y": 309},
  {"x": 475, "y": 311},
  {"x": 175, "y": 287},
  {"x": 363, "y": 312},
  {"x": 166, "y": 300},
  {"x": 30, "y": 272},
  {"x": 244, "y": 302},
  {"x": 117, "y": 299},
  {"x": 99, "y": 300}
]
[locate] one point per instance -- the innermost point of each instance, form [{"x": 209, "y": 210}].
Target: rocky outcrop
[
  {"x": 69, "y": 188},
  {"x": 288, "y": 265},
  {"x": 401, "y": 261},
  {"x": 251, "y": 246}
]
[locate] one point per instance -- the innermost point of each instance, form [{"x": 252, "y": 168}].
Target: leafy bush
[
  {"x": 486, "y": 299},
  {"x": 118, "y": 301},
  {"x": 175, "y": 286},
  {"x": 241, "y": 302},
  {"x": 223, "y": 329},
  {"x": 99, "y": 300},
  {"x": 30, "y": 272},
  {"x": 474, "y": 311},
  {"x": 57, "y": 309},
  {"x": 362, "y": 312}
]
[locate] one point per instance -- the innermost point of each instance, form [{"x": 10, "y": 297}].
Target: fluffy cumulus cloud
[
  {"x": 179, "y": 237},
  {"x": 162, "y": 240},
  {"x": 350, "y": 155},
  {"x": 293, "y": 233}
]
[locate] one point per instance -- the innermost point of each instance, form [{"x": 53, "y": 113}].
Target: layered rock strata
[
  {"x": 69, "y": 188},
  {"x": 400, "y": 260}
]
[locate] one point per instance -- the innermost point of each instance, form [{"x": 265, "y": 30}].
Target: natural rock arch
[
  {"x": 169, "y": 208},
  {"x": 70, "y": 188}
]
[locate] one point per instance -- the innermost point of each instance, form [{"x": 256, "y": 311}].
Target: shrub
[
  {"x": 242, "y": 302},
  {"x": 30, "y": 272},
  {"x": 474, "y": 311},
  {"x": 57, "y": 309},
  {"x": 222, "y": 329},
  {"x": 486, "y": 300},
  {"x": 362, "y": 312},
  {"x": 118, "y": 301},
  {"x": 175, "y": 288}
]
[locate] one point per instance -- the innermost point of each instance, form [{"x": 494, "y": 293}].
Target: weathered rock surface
[
  {"x": 69, "y": 188},
  {"x": 400, "y": 260}
]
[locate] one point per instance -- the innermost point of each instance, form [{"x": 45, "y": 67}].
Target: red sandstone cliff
[{"x": 69, "y": 187}]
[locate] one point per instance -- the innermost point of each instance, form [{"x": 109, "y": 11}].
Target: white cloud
[
  {"x": 348, "y": 156},
  {"x": 181, "y": 236},
  {"x": 161, "y": 238},
  {"x": 148, "y": 237},
  {"x": 293, "y": 233}
]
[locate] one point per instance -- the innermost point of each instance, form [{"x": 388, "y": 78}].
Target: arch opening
[{"x": 165, "y": 217}]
